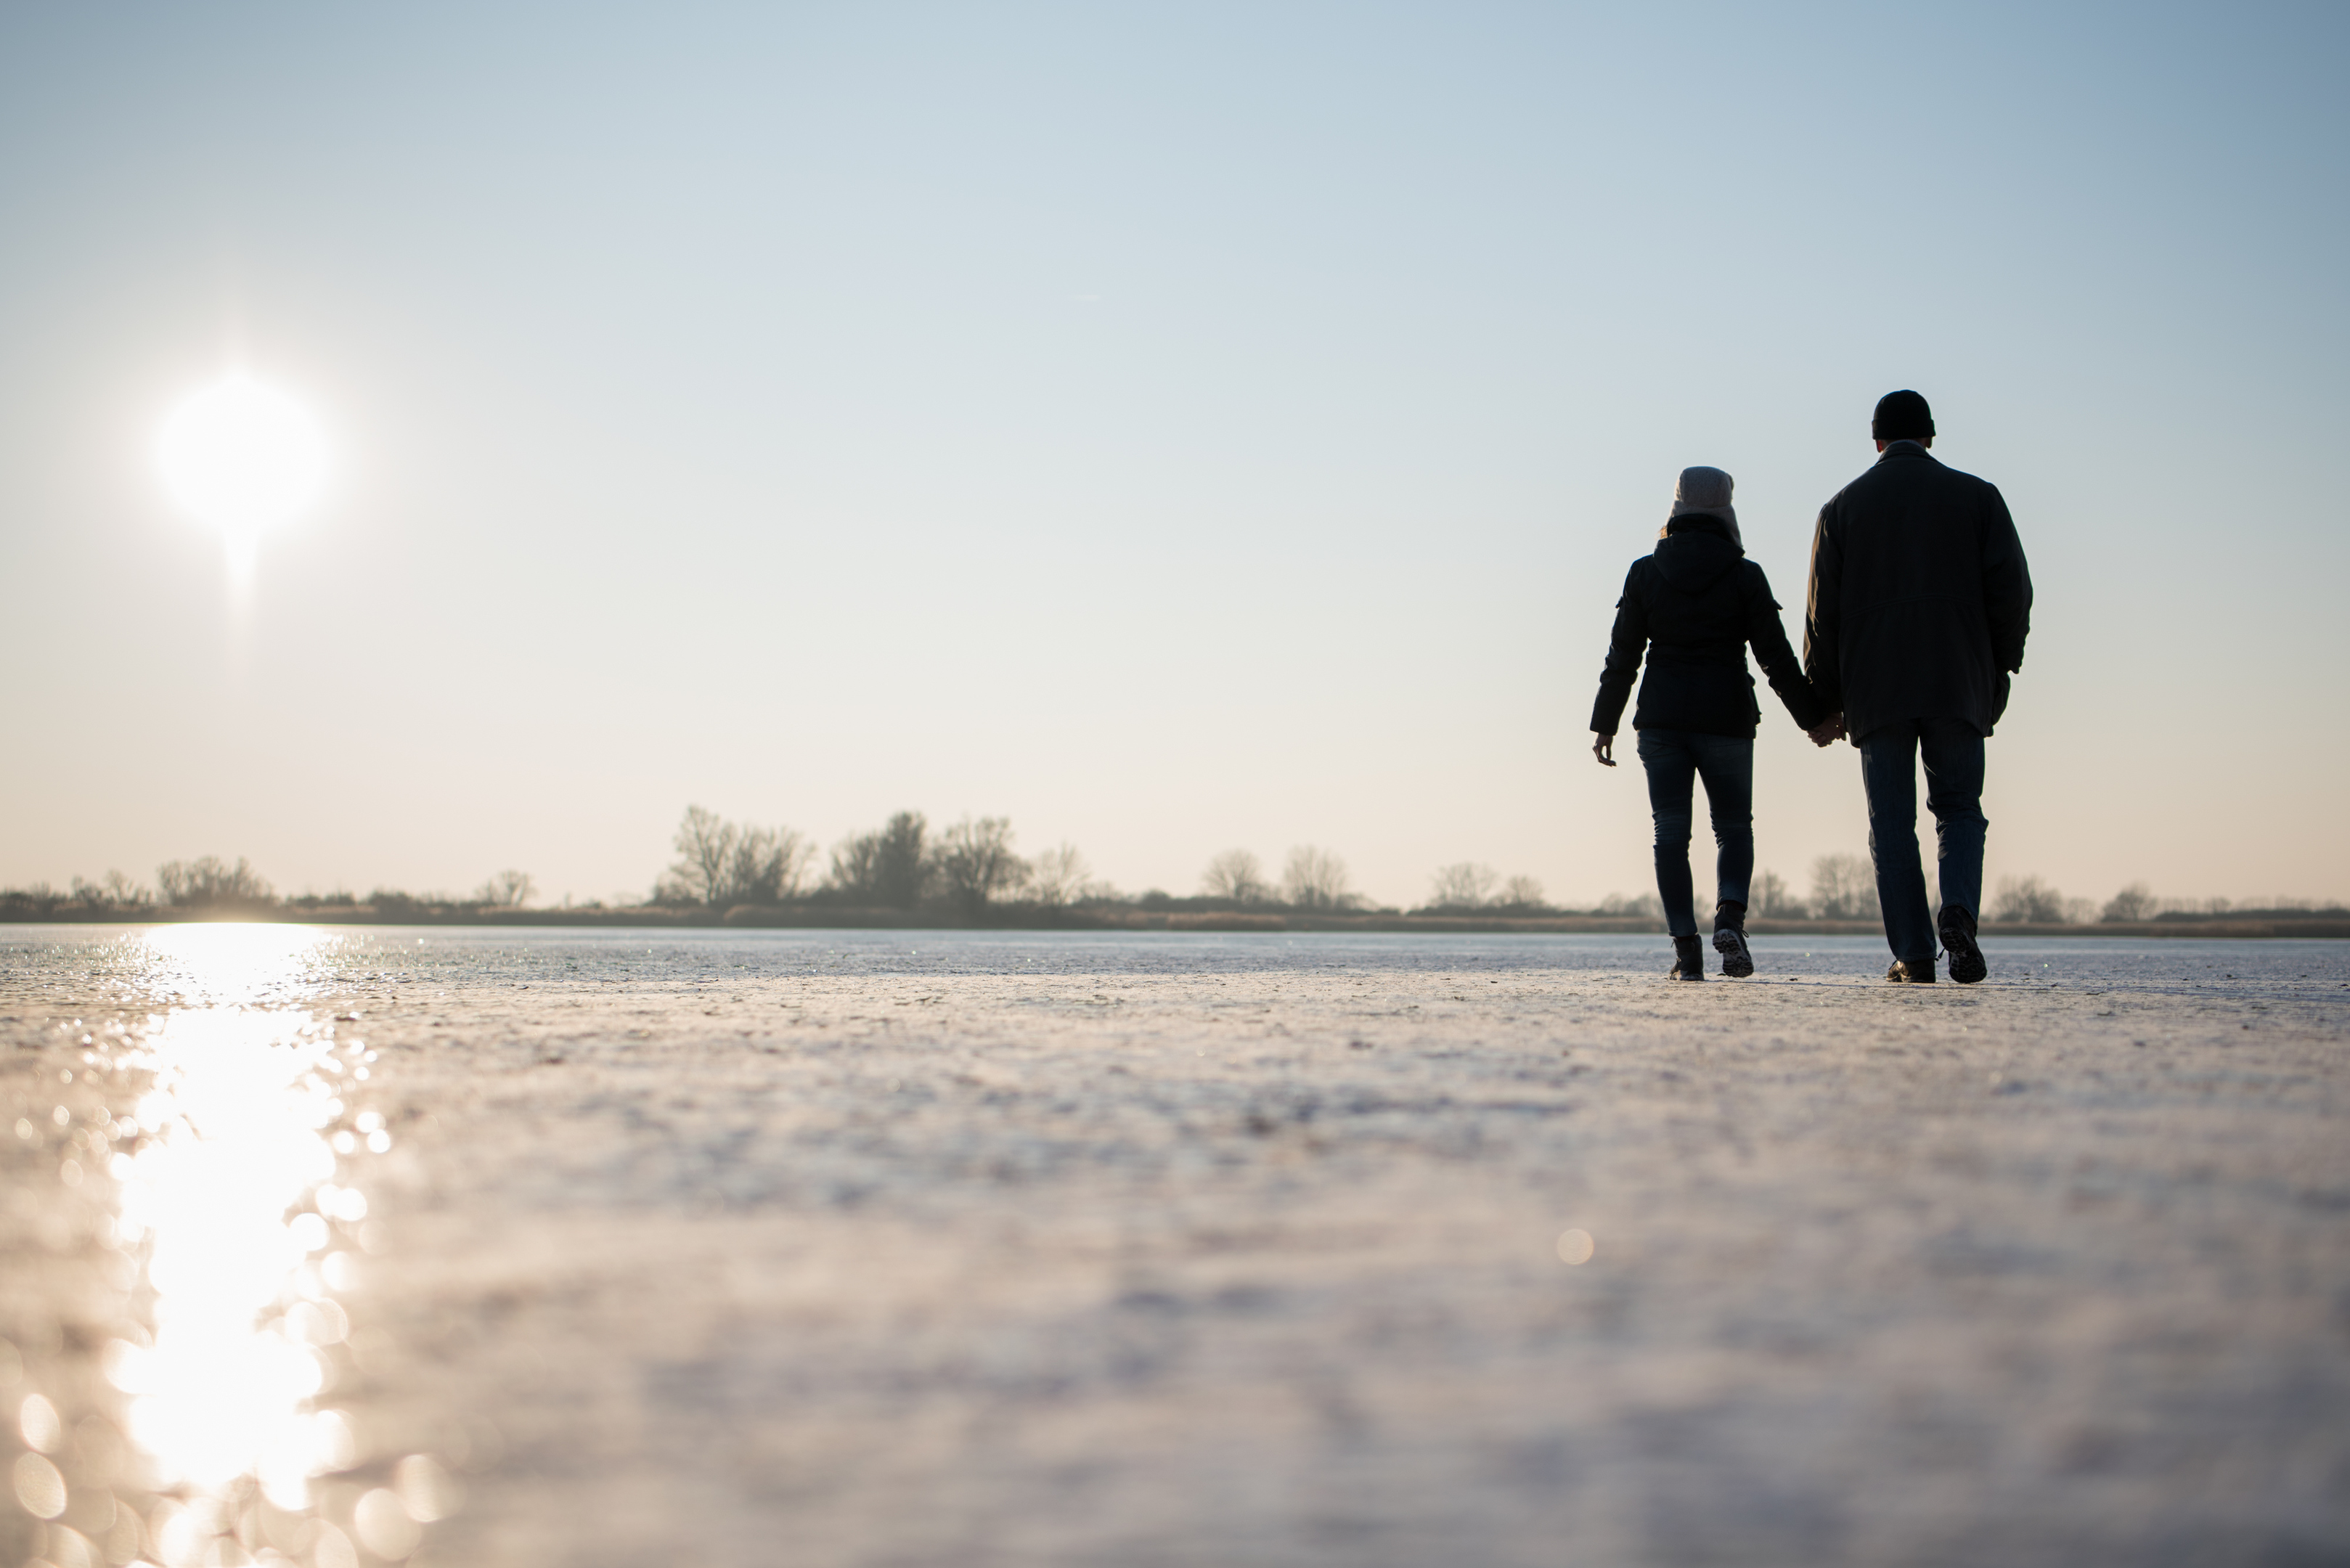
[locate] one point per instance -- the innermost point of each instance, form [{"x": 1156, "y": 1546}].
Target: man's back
[{"x": 1920, "y": 599}]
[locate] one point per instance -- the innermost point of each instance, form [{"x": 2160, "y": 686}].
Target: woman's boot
[
  {"x": 1729, "y": 940},
  {"x": 1688, "y": 959}
]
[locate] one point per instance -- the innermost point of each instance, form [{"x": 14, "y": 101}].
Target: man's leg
[
  {"x": 1673, "y": 771},
  {"x": 1953, "y": 750},
  {"x": 1889, "y": 773}
]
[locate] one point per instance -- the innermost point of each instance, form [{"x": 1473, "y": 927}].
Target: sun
[{"x": 242, "y": 455}]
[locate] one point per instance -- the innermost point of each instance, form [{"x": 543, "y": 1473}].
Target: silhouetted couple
[{"x": 1918, "y": 605}]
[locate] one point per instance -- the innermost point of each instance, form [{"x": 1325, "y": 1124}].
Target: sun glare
[
  {"x": 242, "y": 455},
  {"x": 229, "y": 1187}
]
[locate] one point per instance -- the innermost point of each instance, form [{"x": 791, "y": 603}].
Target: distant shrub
[
  {"x": 1769, "y": 895},
  {"x": 1844, "y": 887},
  {"x": 2028, "y": 901},
  {"x": 1522, "y": 895},
  {"x": 1644, "y": 904}
]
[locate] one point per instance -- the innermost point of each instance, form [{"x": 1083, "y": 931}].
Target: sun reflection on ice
[
  {"x": 227, "y": 1189},
  {"x": 236, "y": 964},
  {"x": 227, "y": 1178}
]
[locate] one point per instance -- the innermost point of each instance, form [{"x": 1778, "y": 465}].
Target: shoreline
[{"x": 1135, "y": 921}]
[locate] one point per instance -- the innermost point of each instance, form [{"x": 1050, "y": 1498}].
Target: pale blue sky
[{"x": 1173, "y": 428}]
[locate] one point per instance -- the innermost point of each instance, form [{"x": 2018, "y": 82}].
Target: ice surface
[{"x": 914, "y": 1248}]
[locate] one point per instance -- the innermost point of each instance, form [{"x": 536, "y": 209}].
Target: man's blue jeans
[
  {"x": 1953, "y": 750},
  {"x": 1675, "y": 759}
]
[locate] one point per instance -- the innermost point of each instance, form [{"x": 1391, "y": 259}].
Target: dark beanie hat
[{"x": 1902, "y": 416}]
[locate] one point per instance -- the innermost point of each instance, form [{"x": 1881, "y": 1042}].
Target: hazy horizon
[{"x": 1172, "y": 430}]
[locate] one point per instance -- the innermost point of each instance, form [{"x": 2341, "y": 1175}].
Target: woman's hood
[{"x": 1695, "y": 552}]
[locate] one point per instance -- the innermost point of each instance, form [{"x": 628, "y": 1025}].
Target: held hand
[
  {"x": 1828, "y": 731},
  {"x": 1604, "y": 748}
]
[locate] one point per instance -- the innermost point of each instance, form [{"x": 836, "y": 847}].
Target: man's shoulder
[
  {"x": 1919, "y": 472},
  {"x": 1959, "y": 479},
  {"x": 1844, "y": 500}
]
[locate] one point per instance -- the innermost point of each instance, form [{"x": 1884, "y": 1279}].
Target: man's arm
[
  {"x": 1823, "y": 616},
  {"x": 1625, "y": 643},
  {"x": 2007, "y": 586}
]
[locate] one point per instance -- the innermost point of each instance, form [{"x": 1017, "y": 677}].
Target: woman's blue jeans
[{"x": 1675, "y": 759}]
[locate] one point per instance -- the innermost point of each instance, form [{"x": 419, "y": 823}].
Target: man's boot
[
  {"x": 1689, "y": 959},
  {"x": 1730, "y": 938},
  {"x": 1958, "y": 928},
  {"x": 1911, "y": 971}
]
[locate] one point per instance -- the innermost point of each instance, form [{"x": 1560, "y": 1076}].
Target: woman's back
[{"x": 1693, "y": 606}]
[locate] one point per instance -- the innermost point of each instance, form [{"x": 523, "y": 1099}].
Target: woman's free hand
[{"x": 1604, "y": 748}]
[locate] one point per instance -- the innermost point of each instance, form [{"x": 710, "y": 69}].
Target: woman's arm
[
  {"x": 1626, "y": 644},
  {"x": 1768, "y": 640}
]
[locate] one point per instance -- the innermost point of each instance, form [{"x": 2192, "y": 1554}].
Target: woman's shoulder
[{"x": 1755, "y": 584}]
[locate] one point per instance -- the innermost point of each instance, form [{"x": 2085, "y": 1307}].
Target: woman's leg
[
  {"x": 1726, "y": 766},
  {"x": 1672, "y": 773}
]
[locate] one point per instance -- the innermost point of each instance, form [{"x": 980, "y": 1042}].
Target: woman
[{"x": 1694, "y": 605}]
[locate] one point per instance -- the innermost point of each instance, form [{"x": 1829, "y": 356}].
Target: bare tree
[
  {"x": 1236, "y": 874},
  {"x": 1768, "y": 895},
  {"x": 1464, "y": 885},
  {"x": 1520, "y": 893},
  {"x": 904, "y": 865},
  {"x": 507, "y": 889},
  {"x": 855, "y": 865},
  {"x": 704, "y": 844},
  {"x": 890, "y": 866},
  {"x": 1844, "y": 887},
  {"x": 1059, "y": 876},
  {"x": 976, "y": 862},
  {"x": 1315, "y": 880},
  {"x": 768, "y": 866},
  {"x": 115, "y": 891},
  {"x": 2028, "y": 899},
  {"x": 2134, "y": 902},
  {"x": 211, "y": 880},
  {"x": 722, "y": 864}
]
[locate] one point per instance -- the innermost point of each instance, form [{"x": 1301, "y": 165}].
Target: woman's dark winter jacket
[{"x": 1695, "y": 605}]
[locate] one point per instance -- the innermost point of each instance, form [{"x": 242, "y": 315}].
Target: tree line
[
  {"x": 902, "y": 864},
  {"x": 971, "y": 866},
  {"x": 211, "y": 885}
]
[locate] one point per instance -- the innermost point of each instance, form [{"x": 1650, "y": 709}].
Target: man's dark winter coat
[
  {"x": 1695, "y": 605},
  {"x": 1920, "y": 598}
]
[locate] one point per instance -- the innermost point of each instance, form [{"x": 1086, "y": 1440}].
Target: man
[{"x": 1918, "y": 606}]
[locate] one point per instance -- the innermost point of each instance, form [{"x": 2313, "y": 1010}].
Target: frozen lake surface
[{"x": 905, "y": 1247}]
